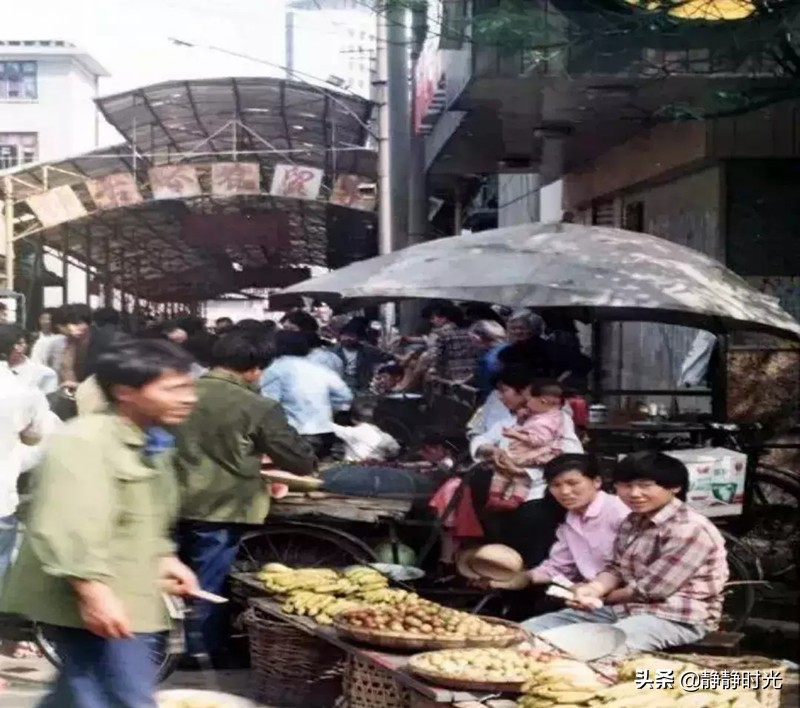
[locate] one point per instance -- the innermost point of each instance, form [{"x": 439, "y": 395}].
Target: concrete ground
[{"x": 29, "y": 678}]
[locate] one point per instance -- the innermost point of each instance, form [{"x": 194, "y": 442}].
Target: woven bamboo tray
[
  {"x": 446, "y": 681},
  {"x": 407, "y": 641},
  {"x": 366, "y": 686}
]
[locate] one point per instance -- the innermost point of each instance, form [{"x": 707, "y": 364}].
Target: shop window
[{"x": 18, "y": 80}]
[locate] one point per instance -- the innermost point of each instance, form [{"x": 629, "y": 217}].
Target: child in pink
[{"x": 533, "y": 442}]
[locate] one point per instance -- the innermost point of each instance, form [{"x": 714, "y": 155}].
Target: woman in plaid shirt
[{"x": 664, "y": 584}]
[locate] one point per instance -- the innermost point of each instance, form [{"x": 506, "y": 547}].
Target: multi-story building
[
  {"x": 47, "y": 92},
  {"x": 333, "y": 40}
]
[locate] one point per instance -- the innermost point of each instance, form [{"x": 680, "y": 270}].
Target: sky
[{"x": 131, "y": 37}]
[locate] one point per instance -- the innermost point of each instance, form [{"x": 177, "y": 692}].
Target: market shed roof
[{"x": 201, "y": 242}]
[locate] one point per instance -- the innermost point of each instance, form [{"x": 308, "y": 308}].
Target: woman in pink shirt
[{"x": 585, "y": 540}]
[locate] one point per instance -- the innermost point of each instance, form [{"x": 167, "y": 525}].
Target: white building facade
[
  {"x": 47, "y": 109},
  {"x": 334, "y": 40}
]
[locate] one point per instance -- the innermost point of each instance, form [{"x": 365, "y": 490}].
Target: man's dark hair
[
  {"x": 137, "y": 362},
  {"x": 106, "y": 317},
  {"x": 532, "y": 353},
  {"x": 292, "y": 344},
  {"x": 242, "y": 351},
  {"x": 10, "y": 334},
  {"x": 76, "y": 314},
  {"x": 249, "y": 325},
  {"x": 666, "y": 471},
  {"x": 226, "y": 320},
  {"x": 449, "y": 311},
  {"x": 357, "y": 327},
  {"x": 572, "y": 462},
  {"x": 517, "y": 377},
  {"x": 302, "y": 320},
  {"x": 57, "y": 317},
  {"x": 192, "y": 325},
  {"x": 435, "y": 439}
]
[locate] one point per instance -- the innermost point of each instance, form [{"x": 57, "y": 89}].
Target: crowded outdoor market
[{"x": 277, "y": 430}]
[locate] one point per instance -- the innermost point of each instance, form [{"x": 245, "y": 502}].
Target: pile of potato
[{"x": 488, "y": 665}]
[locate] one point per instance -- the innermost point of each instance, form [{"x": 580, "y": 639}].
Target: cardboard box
[{"x": 716, "y": 480}]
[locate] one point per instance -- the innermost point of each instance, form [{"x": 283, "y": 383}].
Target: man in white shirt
[
  {"x": 364, "y": 440},
  {"x": 23, "y": 418},
  {"x": 49, "y": 347},
  {"x": 29, "y": 372}
]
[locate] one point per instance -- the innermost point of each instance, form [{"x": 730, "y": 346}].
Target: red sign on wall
[{"x": 429, "y": 77}]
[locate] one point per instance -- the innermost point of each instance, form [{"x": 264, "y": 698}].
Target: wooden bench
[{"x": 714, "y": 643}]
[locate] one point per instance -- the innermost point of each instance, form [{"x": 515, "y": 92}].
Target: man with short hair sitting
[{"x": 664, "y": 584}]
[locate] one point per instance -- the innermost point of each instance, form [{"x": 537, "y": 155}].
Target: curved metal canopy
[{"x": 142, "y": 247}]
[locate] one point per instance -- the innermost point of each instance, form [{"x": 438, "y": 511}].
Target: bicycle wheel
[
  {"x": 740, "y": 593},
  {"x": 771, "y": 528},
  {"x": 166, "y": 647}
]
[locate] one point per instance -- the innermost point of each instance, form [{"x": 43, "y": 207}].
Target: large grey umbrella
[{"x": 587, "y": 272}]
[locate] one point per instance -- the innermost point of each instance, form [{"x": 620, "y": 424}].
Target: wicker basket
[
  {"x": 291, "y": 668},
  {"x": 367, "y": 686},
  {"x": 768, "y": 697}
]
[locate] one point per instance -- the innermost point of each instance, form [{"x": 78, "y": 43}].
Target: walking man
[{"x": 97, "y": 554}]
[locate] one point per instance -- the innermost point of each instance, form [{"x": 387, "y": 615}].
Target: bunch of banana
[
  {"x": 366, "y": 578},
  {"x": 386, "y": 596},
  {"x": 320, "y": 607},
  {"x": 566, "y": 683},
  {"x": 281, "y": 580}
]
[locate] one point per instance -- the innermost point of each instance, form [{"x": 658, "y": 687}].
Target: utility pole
[
  {"x": 289, "y": 41},
  {"x": 391, "y": 94}
]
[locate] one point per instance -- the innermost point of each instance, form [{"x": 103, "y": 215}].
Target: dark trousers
[
  {"x": 209, "y": 549},
  {"x": 529, "y": 529},
  {"x": 102, "y": 673}
]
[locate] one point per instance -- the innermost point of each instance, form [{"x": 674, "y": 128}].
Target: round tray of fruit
[
  {"x": 420, "y": 624},
  {"x": 495, "y": 670}
]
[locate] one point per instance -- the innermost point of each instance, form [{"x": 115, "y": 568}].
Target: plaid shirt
[
  {"x": 676, "y": 563},
  {"x": 455, "y": 354}
]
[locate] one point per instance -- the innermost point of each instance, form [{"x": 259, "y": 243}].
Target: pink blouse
[{"x": 585, "y": 542}]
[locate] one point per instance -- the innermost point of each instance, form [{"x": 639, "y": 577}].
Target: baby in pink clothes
[{"x": 535, "y": 440}]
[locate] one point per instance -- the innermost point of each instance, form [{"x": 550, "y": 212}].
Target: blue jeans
[
  {"x": 209, "y": 549},
  {"x": 8, "y": 541},
  {"x": 102, "y": 673},
  {"x": 643, "y": 632}
]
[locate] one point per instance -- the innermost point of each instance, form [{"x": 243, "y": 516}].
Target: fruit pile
[
  {"x": 415, "y": 616},
  {"x": 570, "y": 684},
  {"x": 322, "y": 593},
  {"x": 487, "y": 665}
]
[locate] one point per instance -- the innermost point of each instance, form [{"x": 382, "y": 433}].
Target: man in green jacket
[
  {"x": 219, "y": 455},
  {"x": 97, "y": 554}
]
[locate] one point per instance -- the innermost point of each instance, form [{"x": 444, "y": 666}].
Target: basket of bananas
[
  {"x": 495, "y": 670},
  {"x": 322, "y": 593}
]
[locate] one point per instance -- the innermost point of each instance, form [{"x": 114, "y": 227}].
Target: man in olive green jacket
[
  {"x": 97, "y": 554},
  {"x": 219, "y": 454}
]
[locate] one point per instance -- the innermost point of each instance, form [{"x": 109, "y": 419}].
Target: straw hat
[
  {"x": 491, "y": 562},
  {"x": 463, "y": 564}
]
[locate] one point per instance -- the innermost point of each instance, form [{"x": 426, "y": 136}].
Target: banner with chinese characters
[
  {"x": 56, "y": 206},
  {"x": 231, "y": 178},
  {"x": 174, "y": 182},
  {"x": 114, "y": 191},
  {"x": 296, "y": 181},
  {"x": 354, "y": 192}
]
